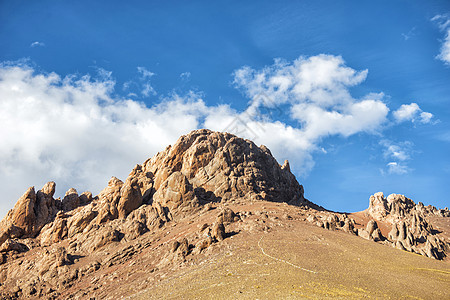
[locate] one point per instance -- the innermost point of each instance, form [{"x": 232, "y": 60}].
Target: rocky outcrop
[
  {"x": 130, "y": 197},
  {"x": 13, "y": 245},
  {"x": 411, "y": 228},
  {"x": 226, "y": 166},
  {"x": 333, "y": 221},
  {"x": 396, "y": 206},
  {"x": 31, "y": 212},
  {"x": 378, "y": 206},
  {"x": 371, "y": 232},
  {"x": 70, "y": 200},
  {"x": 175, "y": 192}
]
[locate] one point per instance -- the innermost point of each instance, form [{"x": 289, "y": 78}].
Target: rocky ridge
[{"x": 58, "y": 243}]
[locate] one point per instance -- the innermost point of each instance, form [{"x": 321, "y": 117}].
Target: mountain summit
[{"x": 208, "y": 192}]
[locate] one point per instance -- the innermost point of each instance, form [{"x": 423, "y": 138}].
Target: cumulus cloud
[
  {"x": 321, "y": 80},
  {"x": 443, "y": 22},
  {"x": 425, "y": 117},
  {"x": 406, "y": 112},
  {"x": 316, "y": 92},
  {"x": 412, "y": 112},
  {"x": 37, "y": 44}
]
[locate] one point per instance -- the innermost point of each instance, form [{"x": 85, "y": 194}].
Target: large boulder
[
  {"x": 23, "y": 214},
  {"x": 371, "y": 226},
  {"x": 108, "y": 200},
  {"x": 130, "y": 197},
  {"x": 175, "y": 191},
  {"x": 378, "y": 206},
  {"x": 71, "y": 200}
]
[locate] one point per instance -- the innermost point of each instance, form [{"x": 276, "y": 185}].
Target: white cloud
[
  {"x": 126, "y": 85},
  {"x": 406, "y": 112},
  {"x": 445, "y": 49},
  {"x": 316, "y": 90},
  {"x": 443, "y": 22},
  {"x": 140, "y": 85},
  {"x": 410, "y": 34},
  {"x": 103, "y": 74},
  {"x": 425, "y": 117},
  {"x": 147, "y": 88},
  {"x": 145, "y": 73},
  {"x": 397, "y": 168},
  {"x": 322, "y": 80},
  {"x": 37, "y": 44},
  {"x": 412, "y": 112},
  {"x": 397, "y": 155},
  {"x": 185, "y": 76},
  {"x": 399, "y": 151}
]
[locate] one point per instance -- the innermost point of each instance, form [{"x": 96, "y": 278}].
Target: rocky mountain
[{"x": 176, "y": 211}]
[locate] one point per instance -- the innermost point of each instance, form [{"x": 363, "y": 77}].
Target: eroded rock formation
[
  {"x": 411, "y": 228},
  {"x": 408, "y": 225}
]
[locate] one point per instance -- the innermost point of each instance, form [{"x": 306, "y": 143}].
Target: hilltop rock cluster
[
  {"x": 411, "y": 228},
  {"x": 410, "y": 224},
  {"x": 57, "y": 242}
]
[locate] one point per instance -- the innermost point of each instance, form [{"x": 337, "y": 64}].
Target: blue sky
[{"x": 355, "y": 94}]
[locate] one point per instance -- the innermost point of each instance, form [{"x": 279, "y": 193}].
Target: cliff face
[{"x": 58, "y": 242}]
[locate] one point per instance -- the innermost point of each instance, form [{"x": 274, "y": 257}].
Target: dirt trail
[{"x": 281, "y": 260}]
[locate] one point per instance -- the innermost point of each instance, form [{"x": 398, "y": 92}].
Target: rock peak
[{"x": 228, "y": 166}]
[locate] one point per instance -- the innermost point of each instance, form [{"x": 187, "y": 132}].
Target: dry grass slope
[{"x": 344, "y": 266}]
